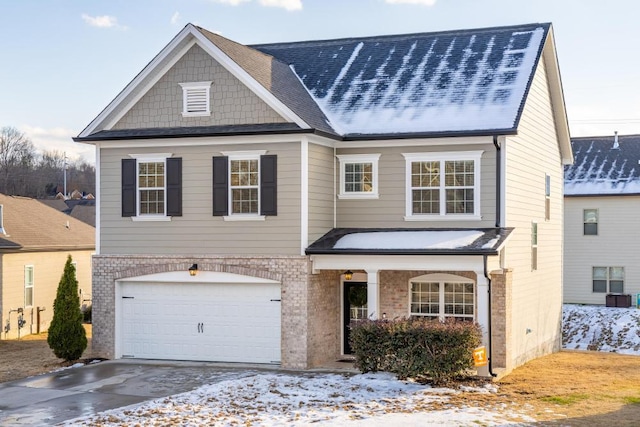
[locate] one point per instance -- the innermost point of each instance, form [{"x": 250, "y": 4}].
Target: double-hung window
[
  {"x": 590, "y": 222},
  {"x": 547, "y": 197},
  {"x": 608, "y": 279},
  {"x": 443, "y": 185},
  {"x": 358, "y": 176},
  {"x": 28, "y": 285},
  {"x": 245, "y": 185},
  {"x": 440, "y": 296},
  {"x": 152, "y": 186},
  {"x": 534, "y": 246}
]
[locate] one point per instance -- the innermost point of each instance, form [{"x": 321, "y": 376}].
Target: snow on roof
[
  {"x": 604, "y": 165},
  {"x": 409, "y": 240},
  {"x": 455, "y": 81}
]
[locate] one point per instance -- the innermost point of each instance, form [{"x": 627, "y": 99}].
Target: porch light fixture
[
  {"x": 348, "y": 275},
  {"x": 193, "y": 270}
]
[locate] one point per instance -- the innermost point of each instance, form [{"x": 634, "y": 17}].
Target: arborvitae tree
[{"x": 67, "y": 337}]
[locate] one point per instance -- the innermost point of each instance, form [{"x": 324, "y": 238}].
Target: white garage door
[{"x": 225, "y": 322}]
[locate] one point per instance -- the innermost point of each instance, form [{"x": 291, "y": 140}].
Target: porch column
[
  {"x": 373, "y": 292},
  {"x": 483, "y": 314}
]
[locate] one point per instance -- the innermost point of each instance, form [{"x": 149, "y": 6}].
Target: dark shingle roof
[
  {"x": 456, "y": 81},
  {"x": 603, "y": 167},
  {"x": 414, "y": 241}
]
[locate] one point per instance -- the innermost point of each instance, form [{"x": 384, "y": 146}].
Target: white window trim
[
  {"x": 150, "y": 158},
  {"x": 243, "y": 155},
  {"x": 443, "y": 278},
  {"x": 345, "y": 159},
  {"x": 32, "y": 286},
  {"x": 186, "y": 88},
  {"x": 476, "y": 156}
]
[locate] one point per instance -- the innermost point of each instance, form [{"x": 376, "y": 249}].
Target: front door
[{"x": 355, "y": 308}]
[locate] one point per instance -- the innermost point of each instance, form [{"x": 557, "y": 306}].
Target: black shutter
[
  {"x": 174, "y": 186},
  {"x": 129, "y": 187},
  {"x": 269, "y": 185},
  {"x": 220, "y": 186}
]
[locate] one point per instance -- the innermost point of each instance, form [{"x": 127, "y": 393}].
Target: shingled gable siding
[
  {"x": 173, "y": 187},
  {"x": 536, "y": 295},
  {"x": 231, "y": 101},
  {"x": 389, "y": 209},
  {"x": 291, "y": 271}
]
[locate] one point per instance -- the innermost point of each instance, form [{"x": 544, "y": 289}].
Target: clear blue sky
[{"x": 63, "y": 61}]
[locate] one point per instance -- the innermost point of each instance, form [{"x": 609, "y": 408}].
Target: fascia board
[{"x": 152, "y": 67}]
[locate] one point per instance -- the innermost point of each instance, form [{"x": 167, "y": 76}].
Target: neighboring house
[
  {"x": 602, "y": 200},
  {"x": 35, "y": 241},
  {"x": 309, "y": 184},
  {"x": 83, "y": 209}
]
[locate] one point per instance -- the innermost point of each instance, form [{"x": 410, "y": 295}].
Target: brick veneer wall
[
  {"x": 324, "y": 321},
  {"x": 501, "y": 314},
  {"x": 291, "y": 271}
]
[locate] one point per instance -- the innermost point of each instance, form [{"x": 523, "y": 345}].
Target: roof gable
[
  {"x": 458, "y": 81},
  {"x": 607, "y": 165}
]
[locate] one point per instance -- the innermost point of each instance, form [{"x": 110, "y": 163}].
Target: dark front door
[{"x": 355, "y": 308}]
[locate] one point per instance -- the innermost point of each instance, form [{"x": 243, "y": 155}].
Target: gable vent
[{"x": 196, "y": 99}]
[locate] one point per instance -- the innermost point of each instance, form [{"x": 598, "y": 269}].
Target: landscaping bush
[
  {"x": 416, "y": 348},
  {"x": 67, "y": 337}
]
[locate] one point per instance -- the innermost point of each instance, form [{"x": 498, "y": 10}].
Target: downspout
[
  {"x": 484, "y": 257},
  {"x": 486, "y": 274}
]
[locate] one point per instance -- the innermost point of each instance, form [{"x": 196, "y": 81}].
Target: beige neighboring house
[
  {"x": 253, "y": 201},
  {"x": 602, "y": 200},
  {"x": 35, "y": 241}
]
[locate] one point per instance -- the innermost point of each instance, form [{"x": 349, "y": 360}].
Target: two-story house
[
  {"x": 602, "y": 198},
  {"x": 254, "y": 200}
]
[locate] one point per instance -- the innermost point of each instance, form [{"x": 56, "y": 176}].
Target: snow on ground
[
  {"x": 598, "y": 328},
  {"x": 274, "y": 399}
]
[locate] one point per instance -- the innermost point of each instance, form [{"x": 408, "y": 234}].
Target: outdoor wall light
[
  {"x": 348, "y": 275},
  {"x": 193, "y": 270}
]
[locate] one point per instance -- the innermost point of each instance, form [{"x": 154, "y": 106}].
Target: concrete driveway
[{"x": 52, "y": 398}]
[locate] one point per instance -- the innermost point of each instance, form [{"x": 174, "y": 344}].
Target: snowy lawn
[{"x": 368, "y": 399}]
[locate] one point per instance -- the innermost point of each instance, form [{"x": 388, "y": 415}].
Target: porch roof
[{"x": 414, "y": 241}]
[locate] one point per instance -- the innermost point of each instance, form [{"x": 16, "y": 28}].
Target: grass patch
[
  {"x": 565, "y": 400},
  {"x": 632, "y": 400}
]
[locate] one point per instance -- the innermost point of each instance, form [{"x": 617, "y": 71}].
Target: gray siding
[
  {"x": 389, "y": 209},
  {"x": 197, "y": 231},
  {"x": 616, "y": 245},
  {"x": 321, "y": 191},
  {"x": 231, "y": 101},
  {"x": 537, "y": 295}
]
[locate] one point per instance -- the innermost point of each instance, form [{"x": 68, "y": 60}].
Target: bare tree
[{"x": 17, "y": 155}]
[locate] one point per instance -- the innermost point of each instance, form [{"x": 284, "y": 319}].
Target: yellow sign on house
[{"x": 480, "y": 356}]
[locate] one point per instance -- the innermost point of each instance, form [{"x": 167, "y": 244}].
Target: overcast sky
[{"x": 63, "y": 61}]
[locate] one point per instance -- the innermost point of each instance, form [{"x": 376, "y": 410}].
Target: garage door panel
[{"x": 212, "y": 322}]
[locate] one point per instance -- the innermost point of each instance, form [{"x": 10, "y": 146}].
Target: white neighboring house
[{"x": 602, "y": 200}]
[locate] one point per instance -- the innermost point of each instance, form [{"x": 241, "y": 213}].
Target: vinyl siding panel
[
  {"x": 321, "y": 191},
  {"x": 616, "y": 245},
  {"x": 390, "y": 208},
  {"x": 231, "y": 101},
  {"x": 537, "y": 295},
  {"x": 197, "y": 231},
  {"x": 47, "y": 271}
]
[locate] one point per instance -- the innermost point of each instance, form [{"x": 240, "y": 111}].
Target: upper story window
[
  {"x": 28, "y": 285},
  {"x": 590, "y": 222},
  {"x": 442, "y": 295},
  {"x": 244, "y": 185},
  {"x": 196, "y": 99},
  {"x": 534, "y": 246},
  {"x": 443, "y": 185},
  {"x": 547, "y": 197},
  {"x": 358, "y": 176},
  {"x": 152, "y": 186}
]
